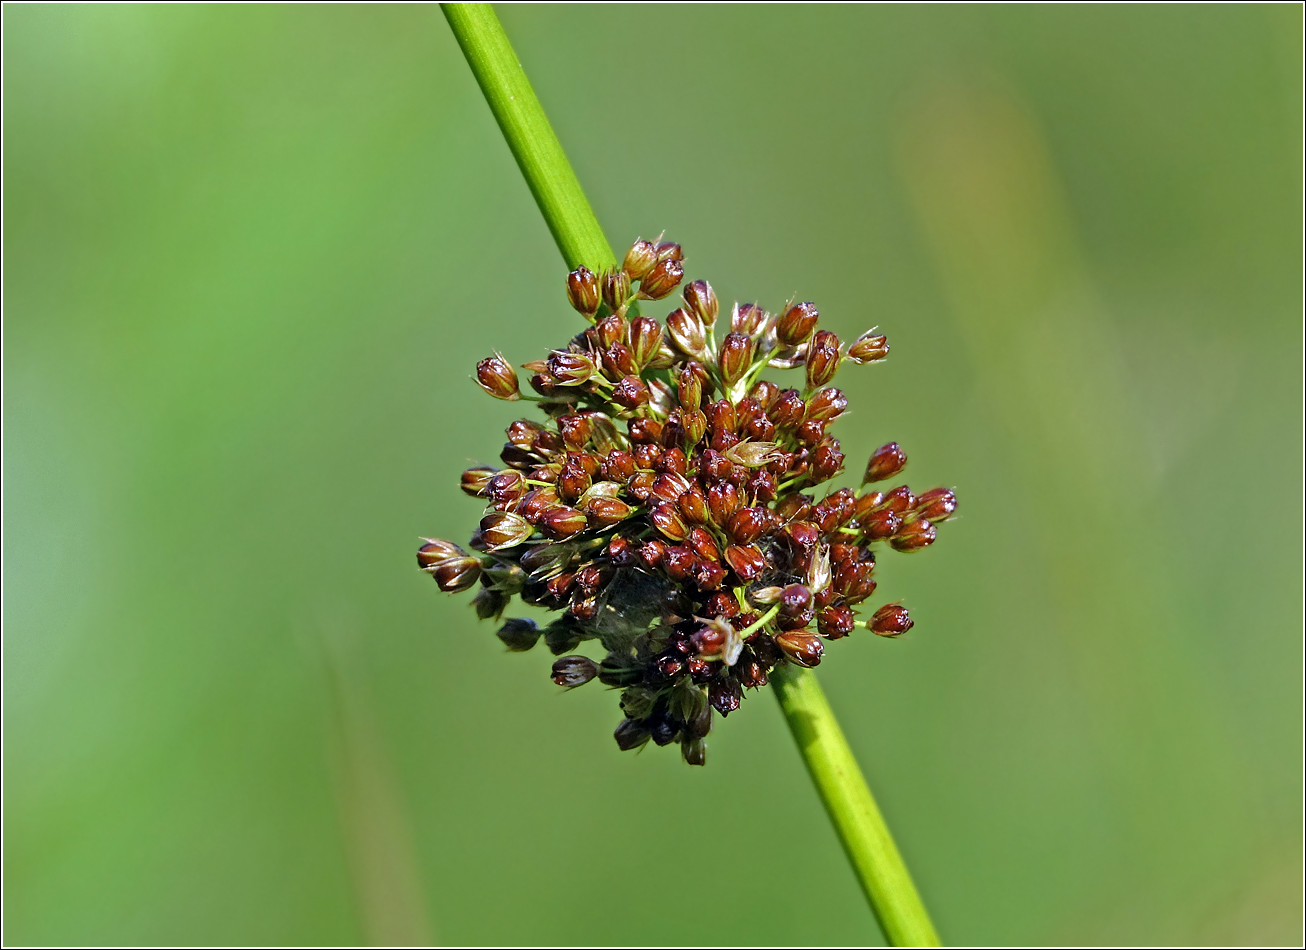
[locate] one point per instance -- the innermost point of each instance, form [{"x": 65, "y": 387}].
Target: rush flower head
[{"x": 670, "y": 505}]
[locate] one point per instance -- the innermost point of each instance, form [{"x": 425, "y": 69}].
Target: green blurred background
[{"x": 251, "y": 256}]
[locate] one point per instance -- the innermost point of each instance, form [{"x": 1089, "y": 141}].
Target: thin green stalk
[
  {"x": 839, "y": 781},
  {"x": 848, "y": 801},
  {"x": 533, "y": 142}
]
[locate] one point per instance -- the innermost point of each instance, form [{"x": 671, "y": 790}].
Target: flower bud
[
  {"x": 475, "y": 481},
  {"x": 736, "y": 357},
  {"x": 497, "y": 378},
  {"x": 822, "y": 358},
  {"x": 645, "y": 338},
  {"x": 503, "y": 529},
  {"x": 937, "y": 504},
  {"x": 801, "y": 647},
  {"x": 573, "y": 671},
  {"x": 869, "y": 348},
  {"x": 702, "y": 302},
  {"x": 519, "y": 634},
  {"x": 640, "y": 259},
  {"x": 664, "y": 278},
  {"x": 563, "y": 523},
  {"x": 616, "y": 289},
  {"x": 747, "y": 318},
  {"x": 583, "y": 291},
  {"x": 913, "y": 536},
  {"x": 796, "y": 324},
  {"x": 886, "y": 461},
  {"x": 890, "y": 621},
  {"x": 688, "y": 334}
]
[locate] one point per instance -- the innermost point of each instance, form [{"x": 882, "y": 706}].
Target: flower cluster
[{"x": 666, "y": 507}]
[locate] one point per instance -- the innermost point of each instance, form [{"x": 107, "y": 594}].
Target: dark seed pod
[
  {"x": 822, "y": 358},
  {"x": 937, "y": 504},
  {"x": 616, "y": 289},
  {"x": 702, "y": 302},
  {"x": 645, "y": 339},
  {"x": 573, "y": 671},
  {"x": 913, "y": 536},
  {"x": 476, "y": 480},
  {"x": 661, "y": 280},
  {"x": 640, "y": 259},
  {"x": 724, "y": 694},
  {"x": 497, "y": 378},
  {"x": 869, "y": 348},
  {"x": 583, "y": 291},
  {"x": 886, "y": 461},
  {"x": 735, "y": 358},
  {"x": 890, "y": 621},
  {"x": 796, "y": 324},
  {"x": 801, "y": 647},
  {"x": 519, "y": 634},
  {"x": 835, "y": 621},
  {"x": 630, "y": 735}
]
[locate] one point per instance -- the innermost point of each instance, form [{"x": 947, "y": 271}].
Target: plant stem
[
  {"x": 853, "y": 812},
  {"x": 839, "y": 781},
  {"x": 533, "y": 142}
]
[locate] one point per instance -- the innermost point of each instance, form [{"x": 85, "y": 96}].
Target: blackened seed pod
[
  {"x": 835, "y": 621},
  {"x": 735, "y": 358},
  {"x": 519, "y": 634},
  {"x": 645, "y": 338},
  {"x": 702, "y": 302},
  {"x": 630, "y": 735},
  {"x": 886, "y": 461},
  {"x": 796, "y": 324},
  {"x": 747, "y": 318},
  {"x": 497, "y": 378},
  {"x": 826, "y": 405},
  {"x": 688, "y": 335},
  {"x": 700, "y": 671},
  {"x": 890, "y": 621},
  {"x": 562, "y": 523},
  {"x": 457, "y": 574},
  {"x": 936, "y": 504},
  {"x": 724, "y": 694},
  {"x": 822, "y": 358},
  {"x": 616, "y": 289},
  {"x": 801, "y": 647},
  {"x": 869, "y": 348},
  {"x": 640, "y": 259},
  {"x": 913, "y": 536},
  {"x": 476, "y": 480},
  {"x": 583, "y": 291},
  {"x": 693, "y": 751},
  {"x": 573, "y": 671},
  {"x": 630, "y": 392},
  {"x": 661, "y": 280}
]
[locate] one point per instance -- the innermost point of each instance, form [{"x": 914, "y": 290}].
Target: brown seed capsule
[
  {"x": 457, "y": 574},
  {"x": 700, "y": 539},
  {"x": 715, "y": 465},
  {"x": 890, "y": 621},
  {"x": 662, "y": 279},
  {"x": 826, "y": 405},
  {"x": 869, "y": 348},
  {"x": 708, "y": 575},
  {"x": 693, "y": 426},
  {"x": 827, "y": 461},
  {"x": 835, "y": 621},
  {"x": 617, "y": 362},
  {"x": 724, "y": 694},
  {"x": 562, "y": 523},
  {"x": 497, "y": 378},
  {"x": 618, "y": 466},
  {"x": 434, "y": 551},
  {"x": 583, "y": 291},
  {"x": 644, "y": 432},
  {"x": 899, "y": 500},
  {"x": 665, "y": 517},
  {"x": 668, "y": 486},
  {"x": 616, "y": 289},
  {"x": 573, "y": 671},
  {"x": 670, "y": 251},
  {"x": 796, "y": 324},
  {"x": 570, "y": 369},
  {"x": 475, "y": 481},
  {"x": 881, "y": 524},
  {"x": 721, "y": 605},
  {"x": 672, "y": 461},
  {"x": 688, "y": 335},
  {"x": 913, "y": 536},
  {"x": 701, "y": 301},
  {"x": 886, "y": 461},
  {"x": 640, "y": 259},
  {"x": 735, "y": 358},
  {"x": 506, "y": 487},
  {"x": 653, "y": 554},
  {"x": 788, "y": 409},
  {"x": 630, "y": 392},
  {"x": 794, "y": 599},
  {"x": 822, "y": 358},
  {"x": 693, "y": 505},
  {"x": 503, "y": 529},
  {"x": 748, "y": 524},
  {"x": 747, "y": 318},
  {"x": 605, "y": 512},
  {"x": 765, "y": 392},
  {"x": 801, "y": 647},
  {"x": 937, "y": 504},
  {"x": 745, "y": 560},
  {"x": 572, "y": 482},
  {"x": 645, "y": 338}
]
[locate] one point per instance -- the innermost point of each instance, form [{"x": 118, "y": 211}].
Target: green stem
[
  {"x": 842, "y": 788},
  {"x": 860, "y": 826},
  {"x": 533, "y": 142}
]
